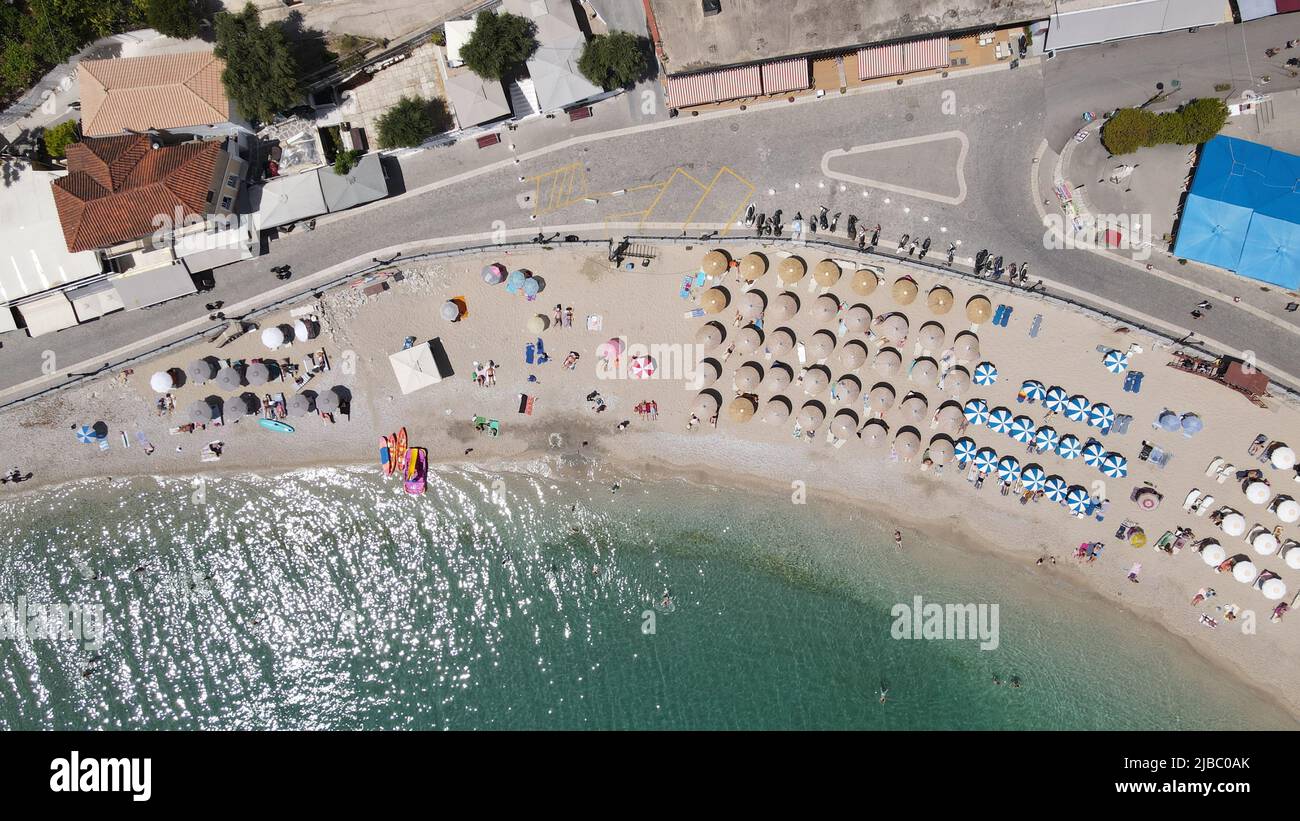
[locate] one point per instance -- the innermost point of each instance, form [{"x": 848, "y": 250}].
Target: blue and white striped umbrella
[
  {"x": 1092, "y": 453},
  {"x": 1022, "y": 429},
  {"x": 1114, "y": 465},
  {"x": 1077, "y": 407},
  {"x": 1034, "y": 477},
  {"x": 1078, "y": 499},
  {"x": 1008, "y": 468},
  {"x": 965, "y": 449},
  {"x": 986, "y": 460},
  {"x": 1054, "y": 399},
  {"x": 1070, "y": 447},
  {"x": 1000, "y": 420},
  {"x": 1054, "y": 488},
  {"x": 1046, "y": 438},
  {"x": 86, "y": 435},
  {"x": 1033, "y": 389},
  {"x": 977, "y": 411},
  {"x": 1115, "y": 361},
  {"x": 986, "y": 373},
  {"x": 1101, "y": 416}
]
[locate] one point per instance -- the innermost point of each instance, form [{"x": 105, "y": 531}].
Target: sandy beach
[{"x": 645, "y": 306}]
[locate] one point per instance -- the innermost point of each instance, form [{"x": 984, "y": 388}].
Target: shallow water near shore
[{"x": 327, "y": 598}]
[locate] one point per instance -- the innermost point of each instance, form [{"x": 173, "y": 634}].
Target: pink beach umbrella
[
  {"x": 611, "y": 350},
  {"x": 642, "y": 367}
]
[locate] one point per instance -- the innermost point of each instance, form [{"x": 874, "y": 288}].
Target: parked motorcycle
[
  {"x": 835, "y": 221},
  {"x": 925, "y": 248},
  {"x": 821, "y": 218},
  {"x": 902, "y": 243},
  {"x": 875, "y": 236},
  {"x": 851, "y": 228},
  {"x": 952, "y": 251},
  {"x": 748, "y": 221},
  {"x": 997, "y": 268},
  {"x": 981, "y": 259}
]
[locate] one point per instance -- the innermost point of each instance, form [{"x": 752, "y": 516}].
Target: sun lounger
[
  {"x": 685, "y": 292},
  {"x": 1204, "y": 506},
  {"x": 1227, "y": 471},
  {"x": 1122, "y": 421},
  {"x": 1035, "y": 326},
  {"x": 1192, "y": 498},
  {"x": 1214, "y": 467},
  {"x": 494, "y": 427},
  {"x": 528, "y": 353}
]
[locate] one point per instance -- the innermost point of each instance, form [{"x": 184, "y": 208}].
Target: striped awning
[
  {"x": 694, "y": 89},
  {"x": 902, "y": 58},
  {"x": 786, "y": 75},
  {"x": 880, "y": 61},
  {"x": 922, "y": 55},
  {"x": 734, "y": 83}
]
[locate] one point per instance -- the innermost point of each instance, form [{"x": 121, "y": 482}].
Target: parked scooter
[
  {"x": 952, "y": 251},
  {"x": 902, "y": 243},
  {"x": 851, "y": 228},
  {"x": 822, "y": 218},
  {"x": 1024, "y": 273},
  {"x": 1011, "y": 271},
  {"x": 981, "y": 259},
  {"x": 776, "y": 222},
  {"x": 997, "y": 268},
  {"x": 812, "y": 225},
  {"x": 925, "y": 248},
  {"x": 875, "y": 236},
  {"x": 748, "y": 221},
  {"x": 911, "y": 248},
  {"x": 762, "y": 224},
  {"x": 835, "y": 221}
]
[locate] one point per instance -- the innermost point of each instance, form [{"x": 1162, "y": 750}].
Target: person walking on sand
[
  {"x": 898, "y": 539},
  {"x": 568, "y": 317},
  {"x": 558, "y": 313}
]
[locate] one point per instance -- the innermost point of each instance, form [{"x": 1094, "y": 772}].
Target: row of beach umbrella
[{"x": 1023, "y": 429}]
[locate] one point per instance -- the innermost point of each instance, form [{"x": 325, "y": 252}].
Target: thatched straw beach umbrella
[
  {"x": 713, "y": 301},
  {"x": 904, "y": 290},
  {"x": 864, "y": 282},
  {"x": 939, "y": 300},
  {"x": 895, "y": 327},
  {"x": 847, "y": 390},
  {"x": 751, "y": 305},
  {"x": 752, "y": 267},
  {"x": 709, "y": 372},
  {"x": 706, "y": 405},
  {"x": 914, "y": 408},
  {"x": 979, "y": 309},
  {"x": 941, "y": 450},
  {"x": 715, "y": 263},
  {"x": 956, "y": 382},
  {"x": 791, "y": 270},
  {"x": 741, "y": 409},
  {"x": 950, "y": 417},
  {"x": 826, "y": 273}
]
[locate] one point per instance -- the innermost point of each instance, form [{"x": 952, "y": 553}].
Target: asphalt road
[{"x": 706, "y": 169}]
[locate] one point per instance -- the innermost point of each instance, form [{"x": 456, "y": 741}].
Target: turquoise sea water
[{"x": 328, "y": 599}]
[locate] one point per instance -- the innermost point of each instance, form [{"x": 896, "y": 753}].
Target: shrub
[
  {"x": 614, "y": 60},
  {"x": 172, "y": 18},
  {"x": 412, "y": 121},
  {"x": 1203, "y": 118},
  {"x": 1133, "y": 128},
  {"x": 344, "y": 161},
  {"x": 57, "y": 138},
  {"x": 499, "y": 45}
]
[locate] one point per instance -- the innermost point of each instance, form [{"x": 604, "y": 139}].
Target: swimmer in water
[
  {"x": 996, "y": 680},
  {"x": 1015, "y": 681},
  {"x": 884, "y": 693}
]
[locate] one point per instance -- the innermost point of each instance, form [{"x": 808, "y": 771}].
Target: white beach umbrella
[
  {"x": 749, "y": 339},
  {"x": 1258, "y": 492},
  {"x": 1265, "y": 543},
  {"x": 1287, "y": 509},
  {"x": 815, "y": 381},
  {"x": 776, "y": 410},
  {"x": 303, "y": 330},
  {"x": 162, "y": 382},
  {"x": 1234, "y": 524},
  {"x": 1282, "y": 457},
  {"x": 1291, "y": 554},
  {"x": 1274, "y": 589},
  {"x": 272, "y": 337},
  {"x": 1212, "y": 553},
  {"x": 1244, "y": 571},
  {"x": 777, "y": 378},
  {"x": 748, "y": 378}
]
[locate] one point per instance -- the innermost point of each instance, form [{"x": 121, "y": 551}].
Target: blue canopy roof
[{"x": 1243, "y": 211}]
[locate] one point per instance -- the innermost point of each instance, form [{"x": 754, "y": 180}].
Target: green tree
[
  {"x": 1203, "y": 118},
  {"x": 412, "y": 121},
  {"x": 261, "y": 75},
  {"x": 345, "y": 160},
  {"x": 1129, "y": 130},
  {"x": 614, "y": 60},
  {"x": 499, "y": 45},
  {"x": 172, "y": 18},
  {"x": 57, "y": 138},
  {"x": 17, "y": 67}
]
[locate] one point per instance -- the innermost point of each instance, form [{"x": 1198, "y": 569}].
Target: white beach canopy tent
[{"x": 417, "y": 367}]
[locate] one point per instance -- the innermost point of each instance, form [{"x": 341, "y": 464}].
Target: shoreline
[{"x": 953, "y": 535}]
